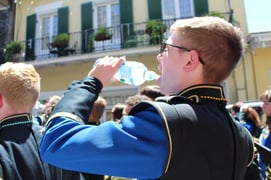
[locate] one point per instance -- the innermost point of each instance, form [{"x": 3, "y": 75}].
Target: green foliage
[
  {"x": 61, "y": 41},
  {"x": 102, "y": 34},
  {"x": 130, "y": 42},
  {"x": 155, "y": 29},
  {"x": 11, "y": 49},
  {"x": 155, "y": 26},
  {"x": 90, "y": 42},
  {"x": 14, "y": 47},
  {"x": 223, "y": 16},
  {"x": 217, "y": 14}
]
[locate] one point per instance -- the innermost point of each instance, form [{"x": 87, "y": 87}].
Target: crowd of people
[
  {"x": 257, "y": 120},
  {"x": 140, "y": 141},
  {"x": 265, "y": 136}
]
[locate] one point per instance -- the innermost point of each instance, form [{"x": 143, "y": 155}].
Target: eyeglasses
[{"x": 164, "y": 46}]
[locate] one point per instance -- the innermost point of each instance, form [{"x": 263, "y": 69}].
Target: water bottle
[{"x": 135, "y": 73}]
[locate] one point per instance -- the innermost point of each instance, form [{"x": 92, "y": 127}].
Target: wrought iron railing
[{"x": 123, "y": 36}]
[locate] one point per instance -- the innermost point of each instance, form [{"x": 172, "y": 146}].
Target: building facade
[{"x": 39, "y": 22}]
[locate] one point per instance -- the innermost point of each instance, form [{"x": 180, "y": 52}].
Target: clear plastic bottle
[{"x": 135, "y": 73}]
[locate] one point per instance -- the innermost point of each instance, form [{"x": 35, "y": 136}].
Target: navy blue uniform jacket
[{"x": 201, "y": 144}]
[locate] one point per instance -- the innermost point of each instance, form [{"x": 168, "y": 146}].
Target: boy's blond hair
[
  {"x": 20, "y": 85},
  {"x": 219, "y": 44}
]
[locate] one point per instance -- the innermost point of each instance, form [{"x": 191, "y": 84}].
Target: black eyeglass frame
[{"x": 164, "y": 45}]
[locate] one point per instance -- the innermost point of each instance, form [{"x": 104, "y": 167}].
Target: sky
[{"x": 258, "y": 14}]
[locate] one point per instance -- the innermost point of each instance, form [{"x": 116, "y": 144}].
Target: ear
[{"x": 193, "y": 60}]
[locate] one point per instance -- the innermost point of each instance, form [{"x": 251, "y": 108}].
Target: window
[
  {"x": 49, "y": 25},
  {"x": 115, "y": 14},
  {"x": 107, "y": 14},
  {"x": 177, "y": 9},
  {"x": 101, "y": 16},
  {"x": 48, "y": 29},
  {"x": 46, "y": 26}
]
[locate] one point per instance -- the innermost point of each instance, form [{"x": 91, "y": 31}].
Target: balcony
[
  {"x": 259, "y": 40},
  {"x": 124, "y": 37}
]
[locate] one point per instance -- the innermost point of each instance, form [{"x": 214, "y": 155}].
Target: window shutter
[
  {"x": 86, "y": 26},
  {"x": 126, "y": 11},
  {"x": 126, "y": 16},
  {"x": 201, "y": 7},
  {"x": 86, "y": 16},
  {"x": 30, "y": 37},
  {"x": 155, "y": 9},
  {"x": 63, "y": 20}
]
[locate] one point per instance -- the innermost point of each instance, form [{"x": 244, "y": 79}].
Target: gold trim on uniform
[
  {"x": 169, "y": 136},
  {"x": 65, "y": 114},
  {"x": 28, "y": 117}
]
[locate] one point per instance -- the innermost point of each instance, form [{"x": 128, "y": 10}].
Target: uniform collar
[
  {"x": 15, "y": 120},
  {"x": 203, "y": 93}
]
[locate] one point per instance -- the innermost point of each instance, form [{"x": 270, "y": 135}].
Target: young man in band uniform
[{"x": 203, "y": 142}]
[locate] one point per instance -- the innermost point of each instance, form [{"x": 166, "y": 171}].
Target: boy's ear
[
  {"x": 194, "y": 56},
  {"x": 193, "y": 59}
]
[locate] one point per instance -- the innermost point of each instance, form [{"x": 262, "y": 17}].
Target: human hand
[{"x": 106, "y": 68}]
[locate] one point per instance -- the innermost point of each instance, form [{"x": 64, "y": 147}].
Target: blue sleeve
[
  {"x": 249, "y": 126},
  {"x": 136, "y": 148}
]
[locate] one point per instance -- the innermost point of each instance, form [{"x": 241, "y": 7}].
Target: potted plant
[
  {"x": 61, "y": 41},
  {"x": 155, "y": 29},
  {"x": 12, "y": 49},
  {"x": 102, "y": 34}
]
